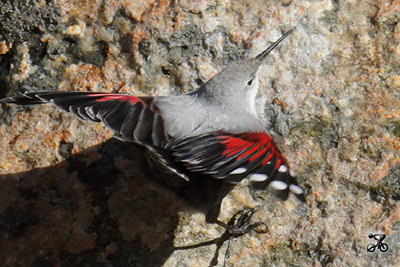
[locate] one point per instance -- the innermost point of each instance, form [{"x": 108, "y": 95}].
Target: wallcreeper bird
[{"x": 199, "y": 144}]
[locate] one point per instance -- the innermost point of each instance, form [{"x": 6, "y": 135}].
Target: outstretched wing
[
  {"x": 235, "y": 156},
  {"x": 135, "y": 118},
  {"x": 219, "y": 155}
]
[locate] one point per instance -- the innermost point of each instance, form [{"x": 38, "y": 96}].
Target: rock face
[{"x": 70, "y": 195}]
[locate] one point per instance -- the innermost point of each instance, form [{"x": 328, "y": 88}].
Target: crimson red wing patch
[{"x": 236, "y": 156}]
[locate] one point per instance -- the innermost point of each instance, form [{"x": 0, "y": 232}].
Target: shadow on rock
[{"x": 106, "y": 213}]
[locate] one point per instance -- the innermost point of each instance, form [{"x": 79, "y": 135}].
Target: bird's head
[{"x": 236, "y": 86}]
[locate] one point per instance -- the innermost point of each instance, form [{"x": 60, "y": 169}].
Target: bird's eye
[{"x": 250, "y": 82}]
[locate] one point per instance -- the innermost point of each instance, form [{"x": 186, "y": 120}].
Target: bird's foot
[
  {"x": 237, "y": 226},
  {"x": 240, "y": 224}
]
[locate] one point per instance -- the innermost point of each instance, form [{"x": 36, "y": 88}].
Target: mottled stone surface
[{"x": 70, "y": 195}]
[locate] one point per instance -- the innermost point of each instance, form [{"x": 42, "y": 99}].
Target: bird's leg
[{"x": 239, "y": 224}]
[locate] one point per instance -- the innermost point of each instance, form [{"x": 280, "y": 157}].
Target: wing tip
[
  {"x": 24, "y": 99},
  {"x": 282, "y": 184}
]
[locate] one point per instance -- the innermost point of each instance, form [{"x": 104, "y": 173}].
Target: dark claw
[
  {"x": 237, "y": 226},
  {"x": 240, "y": 225}
]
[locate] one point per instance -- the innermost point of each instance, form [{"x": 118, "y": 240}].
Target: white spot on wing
[
  {"x": 90, "y": 113},
  {"x": 296, "y": 189},
  {"x": 282, "y": 168},
  {"x": 257, "y": 177},
  {"x": 194, "y": 161},
  {"x": 238, "y": 170},
  {"x": 279, "y": 185}
]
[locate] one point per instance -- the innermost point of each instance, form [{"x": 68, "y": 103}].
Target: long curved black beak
[{"x": 264, "y": 54}]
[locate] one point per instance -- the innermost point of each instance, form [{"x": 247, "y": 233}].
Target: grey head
[
  {"x": 235, "y": 88},
  {"x": 225, "y": 103}
]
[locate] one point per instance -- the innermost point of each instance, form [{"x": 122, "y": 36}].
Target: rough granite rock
[{"x": 71, "y": 195}]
